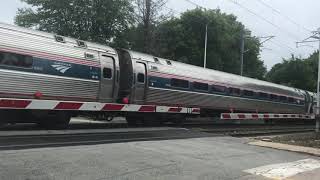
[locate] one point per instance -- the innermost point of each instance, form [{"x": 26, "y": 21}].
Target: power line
[
  {"x": 252, "y": 12},
  {"x": 280, "y": 44},
  {"x": 179, "y": 13},
  {"x": 195, "y": 4},
  {"x": 283, "y": 15},
  {"x": 264, "y": 19}
]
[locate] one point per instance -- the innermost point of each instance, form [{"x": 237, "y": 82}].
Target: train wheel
[
  {"x": 178, "y": 119},
  {"x": 132, "y": 120},
  {"x": 153, "y": 121},
  {"x": 58, "y": 120}
]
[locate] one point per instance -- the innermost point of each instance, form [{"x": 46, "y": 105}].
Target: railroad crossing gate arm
[
  {"x": 265, "y": 116},
  {"x": 36, "y": 104}
]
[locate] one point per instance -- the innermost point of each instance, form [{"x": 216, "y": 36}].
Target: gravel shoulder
[
  {"x": 302, "y": 139},
  {"x": 307, "y": 143}
]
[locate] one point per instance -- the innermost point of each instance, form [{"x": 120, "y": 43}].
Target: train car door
[
  {"x": 308, "y": 102},
  {"x": 140, "y": 82},
  {"x": 108, "y": 77}
]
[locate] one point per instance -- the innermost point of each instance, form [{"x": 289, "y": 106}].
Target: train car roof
[{"x": 41, "y": 34}]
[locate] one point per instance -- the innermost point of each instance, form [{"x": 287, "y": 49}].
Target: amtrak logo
[{"x": 61, "y": 67}]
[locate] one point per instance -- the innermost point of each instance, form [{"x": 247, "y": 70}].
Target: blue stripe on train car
[
  {"x": 60, "y": 68},
  {"x": 165, "y": 83},
  {"x": 67, "y": 69}
]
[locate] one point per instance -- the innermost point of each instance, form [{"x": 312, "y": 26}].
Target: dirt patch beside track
[{"x": 302, "y": 139}]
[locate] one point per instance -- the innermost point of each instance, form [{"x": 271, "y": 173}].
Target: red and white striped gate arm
[
  {"x": 250, "y": 116},
  {"x": 36, "y": 104}
]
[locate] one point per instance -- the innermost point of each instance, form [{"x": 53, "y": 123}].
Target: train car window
[
  {"x": 88, "y": 55},
  {"x": 263, "y": 95},
  {"x": 140, "y": 78},
  {"x": 156, "y": 60},
  {"x": 16, "y": 60},
  {"x": 179, "y": 83},
  {"x": 218, "y": 89},
  {"x": 291, "y": 100},
  {"x": 283, "y": 98},
  {"x": 248, "y": 93},
  {"x": 59, "y": 39},
  {"x": 274, "y": 97},
  {"x": 200, "y": 86},
  {"x": 235, "y": 91},
  {"x": 81, "y": 43},
  {"x": 107, "y": 73}
]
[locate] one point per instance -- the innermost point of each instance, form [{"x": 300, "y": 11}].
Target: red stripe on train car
[
  {"x": 147, "y": 109},
  {"x": 113, "y": 107},
  {"x": 21, "y": 104},
  {"x": 174, "y": 109},
  {"x": 196, "y": 110},
  {"x": 256, "y": 116},
  {"x": 266, "y": 116},
  {"x": 241, "y": 116},
  {"x": 226, "y": 116},
  {"x": 68, "y": 105}
]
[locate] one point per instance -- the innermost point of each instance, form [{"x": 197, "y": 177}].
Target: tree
[
  {"x": 182, "y": 39},
  {"x": 293, "y": 72},
  {"x": 312, "y": 62},
  {"x": 141, "y": 36},
  {"x": 94, "y": 20}
]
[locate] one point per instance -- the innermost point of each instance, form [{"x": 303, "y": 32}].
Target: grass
[{"x": 302, "y": 139}]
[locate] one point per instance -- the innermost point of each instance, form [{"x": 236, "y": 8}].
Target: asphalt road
[
  {"x": 204, "y": 158},
  {"x": 141, "y": 154}
]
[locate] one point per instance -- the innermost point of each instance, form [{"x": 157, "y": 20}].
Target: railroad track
[
  {"x": 30, "y": 136},
  {"x": 244, "y": 132},
  {"x": 66, "y": 138},
  {"x": 204, "y": 126}
]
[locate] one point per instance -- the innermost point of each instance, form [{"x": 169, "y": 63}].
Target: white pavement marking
[{"x": 285, "y": 170}]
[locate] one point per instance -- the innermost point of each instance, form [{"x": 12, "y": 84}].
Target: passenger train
[{"x": 39, "y": 65}]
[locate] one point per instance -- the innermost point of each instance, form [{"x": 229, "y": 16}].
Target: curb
[{"x": 287, "y": 147}]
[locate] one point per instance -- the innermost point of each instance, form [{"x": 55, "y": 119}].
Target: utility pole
[
  {"x": 205, "y": 48},
  {"x": 241, "y": 52},
  {"x": 316, "y": 35},
  {"x": 146, "y": 25},
  {"x": 318, "y": 87}
]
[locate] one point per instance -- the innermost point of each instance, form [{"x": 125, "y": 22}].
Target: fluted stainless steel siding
[
  {"x": 16, "y": 82},
  {"x": 163, "y": 96}
]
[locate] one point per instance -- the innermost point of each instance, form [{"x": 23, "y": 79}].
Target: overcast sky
[{"x": 290, "y": 19}]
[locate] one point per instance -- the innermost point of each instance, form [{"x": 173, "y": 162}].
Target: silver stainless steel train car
[
  {"x": 34, "y": 64},
  {"x": 38, "y": 65},
  {"x": 165, "y": 82}
]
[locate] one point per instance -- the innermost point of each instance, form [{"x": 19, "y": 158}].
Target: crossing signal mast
[
  {"x": 242, "y": 46},
  {"x": 315, "y": 37}
]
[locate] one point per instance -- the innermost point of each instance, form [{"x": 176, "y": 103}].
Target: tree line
[
  {"x": 296, "y": 72},
  {"x": 150, "y": 26}
]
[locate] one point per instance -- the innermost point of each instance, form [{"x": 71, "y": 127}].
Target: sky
[{"x": 288, "y": 20}]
